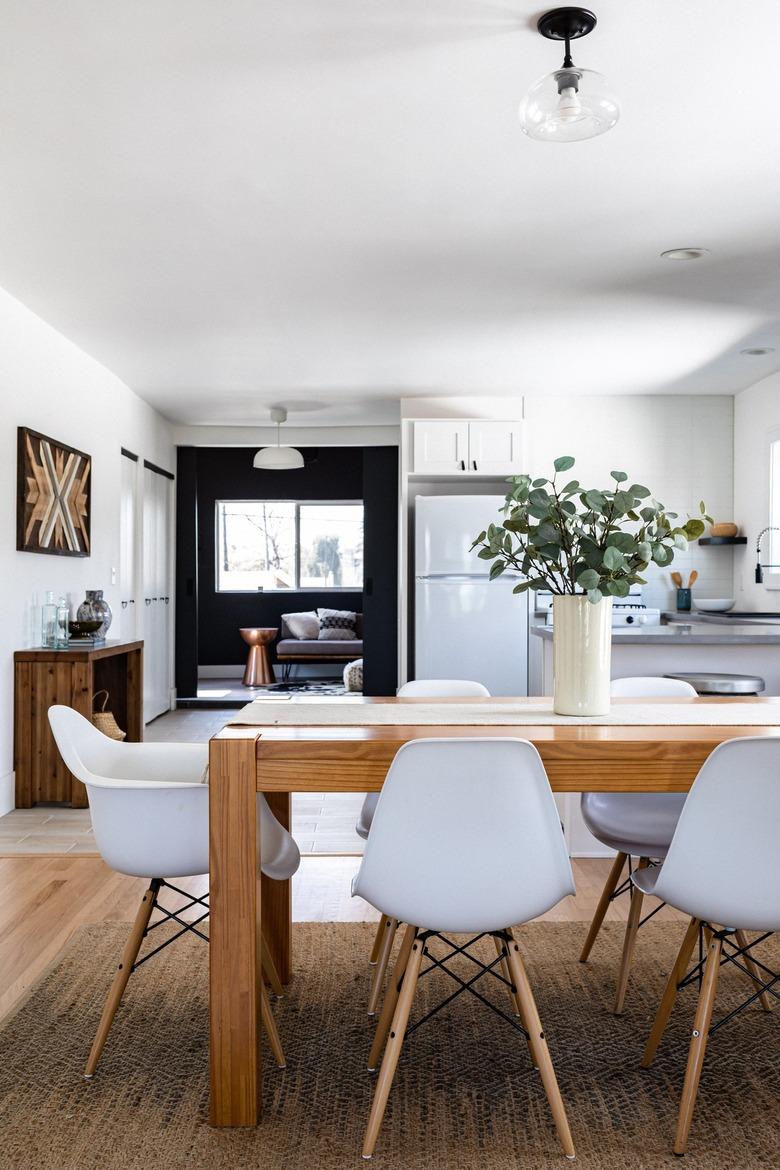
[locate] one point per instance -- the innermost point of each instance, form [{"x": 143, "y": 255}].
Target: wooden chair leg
[
  {"x": 378, "y": 937},
  {"x": 629, "y": 942},
  {"x": 504, "y": 967},
  {"x": 765, "y": 999},
  {"x": 391, "y": 998},
  {"x": 539, "y": 1044},
  {"x": 701, "y": 1029},
  {"x": 269, "y": 968},
  {"x": 123, "y": 973},
  {"x": 610, "y": 886},
  {"x": 269, "y": 1023},
  {"x": 670, "y": 992},
  {"x": 377, "y": 983},
  {"x": 393, "y": 1050},
  {"x": 516, "y": 1003}
]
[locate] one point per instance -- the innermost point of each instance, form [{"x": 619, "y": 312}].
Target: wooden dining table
[{"x": 278, "y": 760}]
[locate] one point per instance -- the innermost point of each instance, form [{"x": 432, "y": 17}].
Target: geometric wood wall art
[{"x": 53, "y": 496}]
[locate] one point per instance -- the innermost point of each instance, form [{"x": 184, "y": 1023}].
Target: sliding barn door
[{"x": 155, "y": 610}]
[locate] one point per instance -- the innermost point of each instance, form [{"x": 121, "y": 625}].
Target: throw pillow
[
  {"x": 337, "y": 625},
  {"x": 302, "y": 625}
]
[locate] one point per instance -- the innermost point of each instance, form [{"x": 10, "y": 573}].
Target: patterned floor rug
[{"x": 465, "y": 1096}]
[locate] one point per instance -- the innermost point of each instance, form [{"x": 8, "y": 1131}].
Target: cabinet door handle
[
  {"x": 148, "y": 600},
  {"x": 124, "y": 605},
  {"x": 463, "y": 464},
  {"x": 166, "y": 599},
  {"x": 474, "y": 463}
]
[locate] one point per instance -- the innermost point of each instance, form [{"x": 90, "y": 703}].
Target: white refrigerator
[{"x": 465, "y": 626}]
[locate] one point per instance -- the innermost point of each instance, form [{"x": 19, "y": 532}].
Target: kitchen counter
[{"x": 681, "y": 632}]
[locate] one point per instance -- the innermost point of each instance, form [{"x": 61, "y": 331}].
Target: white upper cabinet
[
  {"x": 495, "y": 448},
  {"x": 467, "y": 447},
  {"x": 441, "y": 446}
]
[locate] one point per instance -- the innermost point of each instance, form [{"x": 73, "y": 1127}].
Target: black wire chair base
[
  {"x": 735, "y": 954},
  {"x": 466, "y": 985},
  {"x": 626, "y": 886},
  {"x": 156, "y": 885}
]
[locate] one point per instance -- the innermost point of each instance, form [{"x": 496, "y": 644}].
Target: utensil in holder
[{"x": 683, "y": 600}]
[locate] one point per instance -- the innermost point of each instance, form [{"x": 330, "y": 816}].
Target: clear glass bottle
[
  {"x": 49, "y": 620},
  {"x": 63, "y": 622}
]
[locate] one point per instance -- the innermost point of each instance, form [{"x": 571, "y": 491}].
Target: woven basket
[{"x": 104, "y": 720}]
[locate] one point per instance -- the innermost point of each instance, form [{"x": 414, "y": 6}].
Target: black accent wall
[{"x": 208, "y": 622}]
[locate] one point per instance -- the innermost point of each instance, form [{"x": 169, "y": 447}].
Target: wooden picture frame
[{"x": 54, "y": 496}]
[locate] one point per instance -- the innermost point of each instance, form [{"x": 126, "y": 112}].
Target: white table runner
[{"x": 353, "y": 712}]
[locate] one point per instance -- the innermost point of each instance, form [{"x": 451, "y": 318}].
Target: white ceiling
[{"x": 330, "y": 204}]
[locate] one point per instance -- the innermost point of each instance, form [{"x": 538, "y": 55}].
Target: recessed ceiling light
[
  {"x": 685, "y": 253},
  {"x": 758, "y": 350}
]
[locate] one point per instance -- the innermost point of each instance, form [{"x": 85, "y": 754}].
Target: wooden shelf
[{"x": 732, "y": 540}]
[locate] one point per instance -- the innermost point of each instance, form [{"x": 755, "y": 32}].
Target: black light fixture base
[{"x": 566, "y": 24}]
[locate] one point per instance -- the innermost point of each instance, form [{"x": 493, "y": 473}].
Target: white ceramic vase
[{"x": 582, "y": 650}]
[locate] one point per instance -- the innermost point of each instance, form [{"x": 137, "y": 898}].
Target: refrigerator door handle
[{"x": 463, "y": 464}]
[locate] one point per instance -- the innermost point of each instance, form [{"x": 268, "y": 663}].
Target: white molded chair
[
  {"x": 150, "y": 816},
  {"x": 636, "y": 824},
  {"x": 721, "y": 869},
  {"x": 420, "y": 688},
  {"x": 465, "y": 839}
]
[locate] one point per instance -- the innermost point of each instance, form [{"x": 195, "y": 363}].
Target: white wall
[
  {"x": 756, "y": 418},
  {"x": 680, "y": 447},
  {"x": 49, "y": 385}
]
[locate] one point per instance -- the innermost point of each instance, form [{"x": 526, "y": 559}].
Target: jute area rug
[{"x": 464, "y": 1096}]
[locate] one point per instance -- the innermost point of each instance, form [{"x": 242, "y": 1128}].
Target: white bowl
[{"x": 714, "y": 604}]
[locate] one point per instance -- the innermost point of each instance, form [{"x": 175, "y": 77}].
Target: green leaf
[
  {"x": 523, "y": 587},
  {"x": 595, "y": 500},
  {"x": 702, "y": 507},
  {"x": 622, "y": 540},
  {"x": 622, "y": 587},
  {"x": 693, "y": 529},
  {"x": 485, "y": 554},
  {"x": 496, "y": 569},
  {"x": 588, "y": 579},
  {"x": 537, "y": 483},
  {"x": 613, "y": 558},
  {"x": 641, "y": 493},
  {"x": 594, "y": 596},
  {"x": 571, "y": 487},
  {"x": 619, "y": 476},
  {"x": 563, "y": 463}
]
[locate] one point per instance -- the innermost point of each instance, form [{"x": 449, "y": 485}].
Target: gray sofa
[{"x": 290, "y": 650}]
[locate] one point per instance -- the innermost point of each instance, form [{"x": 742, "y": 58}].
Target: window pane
[
  {"x": 255, "y": 544},
  {"x": 331, "y": 538}
]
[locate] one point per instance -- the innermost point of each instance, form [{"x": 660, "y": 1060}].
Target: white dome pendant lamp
[
  {"x": 278, "y": 458},
  {"x": 570, "y": 104}
]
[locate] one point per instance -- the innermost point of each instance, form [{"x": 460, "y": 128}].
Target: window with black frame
[{"x": 288, "y": 545}]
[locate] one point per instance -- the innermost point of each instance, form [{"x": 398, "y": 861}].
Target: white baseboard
[{"x": 7, "y": 793}]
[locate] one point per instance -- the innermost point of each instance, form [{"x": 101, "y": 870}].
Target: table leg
[
  {"x": 277, "y": 899},
  {"x": 234, "y": 964}
]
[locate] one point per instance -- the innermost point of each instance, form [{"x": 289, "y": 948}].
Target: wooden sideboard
[{"x": 43, "y": 677}]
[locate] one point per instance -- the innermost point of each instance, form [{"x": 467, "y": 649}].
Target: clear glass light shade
[
  {"x": 567, "y": 106},
  {"x": 278, "y": 459}
]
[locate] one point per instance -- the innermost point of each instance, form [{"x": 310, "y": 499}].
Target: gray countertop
[{"x": 680, "y": 633}]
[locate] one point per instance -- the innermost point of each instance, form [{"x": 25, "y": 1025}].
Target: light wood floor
[{"x": 46, "y": 898}]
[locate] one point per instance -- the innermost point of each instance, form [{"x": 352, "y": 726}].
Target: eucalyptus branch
[{"x": 599, "y": 549}]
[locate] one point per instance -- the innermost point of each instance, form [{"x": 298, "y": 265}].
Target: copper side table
[{"x": 258, "y": 668}]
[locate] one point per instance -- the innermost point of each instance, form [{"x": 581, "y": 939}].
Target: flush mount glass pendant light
[
  {"x": 571, "y": 103},
  {"x": 278, "y": 458}
]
